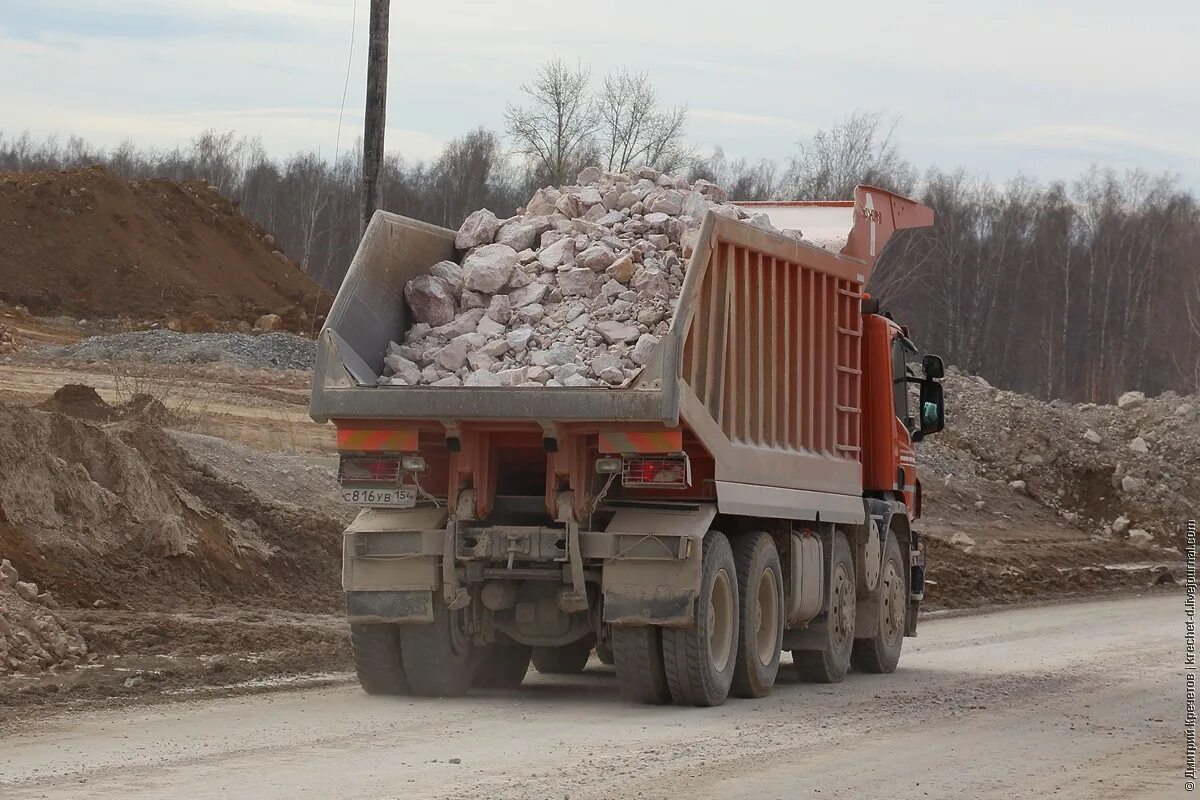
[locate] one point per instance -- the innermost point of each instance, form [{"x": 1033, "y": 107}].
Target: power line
[{"x": 337, "y": 145}]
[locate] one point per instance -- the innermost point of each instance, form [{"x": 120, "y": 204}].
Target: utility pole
[{"x": 377, "y": 68}]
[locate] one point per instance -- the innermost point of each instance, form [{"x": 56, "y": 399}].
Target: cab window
[{"x": 900, "y": 391}]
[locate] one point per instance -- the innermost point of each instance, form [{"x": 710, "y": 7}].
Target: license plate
[{"x": 389, "y": 498}]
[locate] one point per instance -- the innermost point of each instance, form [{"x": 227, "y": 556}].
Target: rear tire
[
  {"x": 438, "y": 658},
  {"x": 760, "y": 593},
  {"x": 700, "y": 661},
  {"x": 604, "y": 652},
  {"x": 828, "y": 660},
  {"x": 377, "y": 658},
  {"x": 569, "y": 659},
  {"x": 638, "y": 658},
  {"x": 880, "y": 653},
  {"x": 501, "y": 666}
]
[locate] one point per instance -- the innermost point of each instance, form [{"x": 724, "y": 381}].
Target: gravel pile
[
  {"x": 1129, "y": 470},
  {"x": 269, "y": 351},
  {"x": 576, "y": 291}
]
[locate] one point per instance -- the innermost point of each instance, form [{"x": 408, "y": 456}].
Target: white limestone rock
[
  {"x": 477, "y": 229},
  {"x": 431, "y": 299},
  {"x": 488, "y": 268}
]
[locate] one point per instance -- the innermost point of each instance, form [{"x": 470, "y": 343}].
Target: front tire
[
  {"x": 760, "y": 590},
  {"x": 700, "y": 661},
  {"x": 831, "y": 640},
  {"x": 438, "y": 656},
  {"x": 880, "y": 652},
  {"x": 377, "y": 658}
]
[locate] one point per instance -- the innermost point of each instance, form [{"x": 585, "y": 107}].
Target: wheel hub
[
  {"x": 841, "y": 615},
  {"x": 720, "y": 621},
  {"x": 893, "y": 603},
  {"x": 766, "y": 618}
]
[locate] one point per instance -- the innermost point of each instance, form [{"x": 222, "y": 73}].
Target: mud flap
[
  {"x": 401, "y": 607},
  {"x": 654, "y": 577},
  {"x": 390, "y": 564}
]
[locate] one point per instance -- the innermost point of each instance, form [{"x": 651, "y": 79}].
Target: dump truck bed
[{"x": 761, "y": 361}]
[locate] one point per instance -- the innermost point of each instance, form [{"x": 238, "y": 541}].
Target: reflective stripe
[
  {"x": 642, "y": 442},
  {"x": 377, "y": 441}
]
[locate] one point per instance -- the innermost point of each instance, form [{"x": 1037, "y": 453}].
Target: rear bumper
[{"x": 647, "y": 563}]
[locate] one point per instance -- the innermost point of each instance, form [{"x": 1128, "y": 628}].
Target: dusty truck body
[{"x": 751, "y": 492}]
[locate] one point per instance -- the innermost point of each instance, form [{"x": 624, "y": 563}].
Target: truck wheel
[
  {"x": 377, "y": 658},
  {"x": 437, "y": 656},
  {"x": 501, "y": 666},
  {"x": 604, "y": 652},
  {"x": 833, "y": 637},
  {"x": 638, "y": 658},
  {"x": 881, "y": 652},
  {"x": 569, "y": 659},
  {"x": 699, "y": 661},
  {"x": 760, "y": 595}
]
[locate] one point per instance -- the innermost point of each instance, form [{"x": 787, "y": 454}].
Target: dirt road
[{"x": 1069, "y": 701}]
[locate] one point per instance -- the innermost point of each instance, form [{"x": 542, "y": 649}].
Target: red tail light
[
  {"x": 666, "y": 472},
  {"x": 380, "y": 470}
]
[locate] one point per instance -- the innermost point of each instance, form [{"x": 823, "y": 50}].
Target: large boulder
[
  {"x": 477, "y": 229},
  {"x": 1131, "y": 400},
  {"x": 488, "y": 268},
  {"x": 431, "y": 299}
]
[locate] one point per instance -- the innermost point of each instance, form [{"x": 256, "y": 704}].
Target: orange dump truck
[{"x": 751, "y": 492}]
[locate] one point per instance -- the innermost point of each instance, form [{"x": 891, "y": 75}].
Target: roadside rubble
[
  {"x": 1126, "y": 470},
  {"x": 33, "y": 636},
  {"x": 577, "y": 290}
]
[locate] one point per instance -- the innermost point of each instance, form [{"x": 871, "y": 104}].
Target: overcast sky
[{"x": 1000, "y": 87}]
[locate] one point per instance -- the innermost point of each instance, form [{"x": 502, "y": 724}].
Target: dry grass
[{"x": 187, "y": 401}]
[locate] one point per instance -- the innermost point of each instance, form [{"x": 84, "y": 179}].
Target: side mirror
[
  {"x": 933, "y": 367},
  {"x": 933, "y": 408}
]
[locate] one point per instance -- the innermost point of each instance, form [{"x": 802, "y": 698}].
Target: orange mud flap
[{"x": 653, "y": 576}]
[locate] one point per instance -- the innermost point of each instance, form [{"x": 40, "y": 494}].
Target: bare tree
[
  {"x": 633, "y": 130},
  {"x": 859, "y": 149},
  {"x": 555, "y": 128},
  {"x": 742, "y": 179}
]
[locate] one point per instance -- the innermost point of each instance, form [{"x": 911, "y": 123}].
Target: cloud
[
  {"x": 1093, "y": 140},
  {"x": 1016, "y": 86},
  {"x": 756, "y": 120}
]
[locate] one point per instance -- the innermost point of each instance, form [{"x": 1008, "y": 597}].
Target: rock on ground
[{"x": 33, "y": 636}]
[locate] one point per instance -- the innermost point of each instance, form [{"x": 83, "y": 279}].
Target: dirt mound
[
  {"x": 122, "y": 515},
  {"x": 1105, "y": 470},
  {"x": 87, "y": 243},
  {"x": 79, "y": 401}
]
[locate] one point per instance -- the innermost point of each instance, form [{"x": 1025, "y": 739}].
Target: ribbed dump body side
[
  {"x": 770, "y": 331},
  {"x": 773, "y": 351}
]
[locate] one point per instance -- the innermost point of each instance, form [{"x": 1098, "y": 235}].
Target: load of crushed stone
[
  {"x": 576, "y": 291},
  {"x": 33, "y": 637}
]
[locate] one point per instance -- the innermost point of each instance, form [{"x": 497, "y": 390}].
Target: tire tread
[{"x": 377, "y": 658}]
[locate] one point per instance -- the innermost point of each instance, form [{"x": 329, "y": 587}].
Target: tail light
[
  {"x": 368, "y": 469},
  {"x": 662, "y": 472}
]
